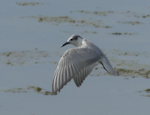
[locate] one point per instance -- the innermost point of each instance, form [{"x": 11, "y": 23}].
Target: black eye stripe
[{"x": 75, "y": 37}]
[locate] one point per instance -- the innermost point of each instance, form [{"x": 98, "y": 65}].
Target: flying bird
[{"x": 77, "y": 63}]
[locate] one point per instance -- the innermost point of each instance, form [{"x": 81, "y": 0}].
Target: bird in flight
[{"x": 77, "y": 63}]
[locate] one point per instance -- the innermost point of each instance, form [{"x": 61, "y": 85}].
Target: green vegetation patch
[
  {"x": 131, "y": 22},
  {"x": 28, "y": 3},
  {"x": 29, "y": 89},
  {"x": 119, "y": 33},
  {"x": 134, "y": 73},
  {"x": 101, "y": 13},
  {"x": 65, "y": 19}
]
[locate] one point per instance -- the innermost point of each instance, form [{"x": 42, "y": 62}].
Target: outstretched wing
[
  {"x": 75, "y": 63},
  {"x": 103, "y": 59},
  {"x": 107, "y": 66}
]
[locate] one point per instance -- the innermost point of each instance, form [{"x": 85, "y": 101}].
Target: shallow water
[{"x": 31, "y": 35}]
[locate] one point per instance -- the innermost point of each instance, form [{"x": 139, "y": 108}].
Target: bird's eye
[{"x": 71, "y": 39}]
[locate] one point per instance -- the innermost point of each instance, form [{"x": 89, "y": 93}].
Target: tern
[{"x": 77, "y": 63}]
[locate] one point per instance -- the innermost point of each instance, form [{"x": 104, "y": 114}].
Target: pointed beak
[{"x": 65, "y": 44}]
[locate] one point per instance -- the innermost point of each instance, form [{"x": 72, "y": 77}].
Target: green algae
[
  {"x": 134, "y": 73},
  {"x": 131, "y": 22},
  {"x": 30, "y": 89},
  {"x": 38, "y": 89},
  {"x": 119, "y": 33},
  {"x": 66, "y": 19},
  {"x": 28, "y": 3},
  {"x": 13, "y": 58},
  {"x": 147, "y": 90},
  {"x": 100, "y": 13}
]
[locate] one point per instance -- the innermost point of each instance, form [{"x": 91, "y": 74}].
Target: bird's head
[{"x": 75, "y": 40}]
